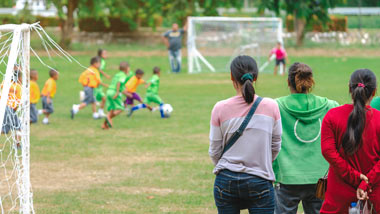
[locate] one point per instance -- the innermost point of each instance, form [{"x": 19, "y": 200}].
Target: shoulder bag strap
[{"x": 235, "y": 136}]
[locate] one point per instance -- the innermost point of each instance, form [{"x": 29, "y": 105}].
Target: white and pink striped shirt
[{"x": 257, "y": 148}]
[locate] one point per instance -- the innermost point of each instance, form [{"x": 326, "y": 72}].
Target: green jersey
[
  {"x": 154, "y": 84},
  {"x": 376, "y": 103},
  {"x": 102, "y": 65},
  {"x": 121, "y": 78}
]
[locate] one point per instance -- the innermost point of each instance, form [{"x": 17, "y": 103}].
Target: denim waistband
[{"x": 237, "y": 175}]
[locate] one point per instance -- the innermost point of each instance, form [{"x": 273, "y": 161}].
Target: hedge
[
  {"x": 116, "y": 24},
  {"x": 44, "y": 21},
  {"x": 316, "y": 25}
]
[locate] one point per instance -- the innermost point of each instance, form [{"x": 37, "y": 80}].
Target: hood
[{"x": 305, "y": 107}]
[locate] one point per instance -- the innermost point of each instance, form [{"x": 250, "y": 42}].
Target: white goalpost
[
  {"x": 213, "y": 42},
  {"x": 15, "y": 187}
]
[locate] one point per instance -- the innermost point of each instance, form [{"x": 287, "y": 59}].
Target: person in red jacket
[{"x": 351, "y": 144}]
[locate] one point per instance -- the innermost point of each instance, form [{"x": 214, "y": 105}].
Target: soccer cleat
[
  {"x": 130, "y": 113},
  {"x": 45, "y": 121},
  {"x": 101, "y": 114},
  {"x": 95, "y": 115},
  {"x": 72, "y": 114}
]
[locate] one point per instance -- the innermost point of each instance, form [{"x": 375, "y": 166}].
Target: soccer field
[{"x": 146, "y": 164}]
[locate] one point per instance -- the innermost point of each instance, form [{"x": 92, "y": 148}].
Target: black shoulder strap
[{"x": 235, "y": 136}]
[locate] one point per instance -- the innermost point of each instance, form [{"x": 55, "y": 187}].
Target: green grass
[{"x": 146, "y": 164}]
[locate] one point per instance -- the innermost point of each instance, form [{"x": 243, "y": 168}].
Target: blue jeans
[
  {"x": 234, "y": 191},
  {"x": 289, "y": 196},
  {"x": 175, "y": 60}
]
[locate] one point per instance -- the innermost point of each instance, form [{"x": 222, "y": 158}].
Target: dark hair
[
  {"x": 123, "y": 65},
  {"x": 52, "y": 72},
  {"x": 240, "y": 66},
  {"x": 362, "y": 85},
  {"x": 300, "y": 77},
  {"x": 100, "y": 52},
  {"x": 156, "y": 70},
  {"x": 94, "y": 60},
  {"x": 139, "y": 72}
]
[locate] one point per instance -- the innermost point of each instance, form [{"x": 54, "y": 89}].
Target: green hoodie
[{"x": 300, "y": 160}]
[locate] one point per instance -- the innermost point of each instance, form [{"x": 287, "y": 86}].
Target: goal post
[
  {"x": 15, "y": 186},
  {"x": 212, "y": 42}
]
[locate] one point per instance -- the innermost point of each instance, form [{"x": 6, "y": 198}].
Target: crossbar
[{"x": 12, "y": 27}]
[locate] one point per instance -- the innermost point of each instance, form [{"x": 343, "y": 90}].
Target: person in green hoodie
[
  {"x": 300, "y": 163},
  {"x": 376, "y": 103}
]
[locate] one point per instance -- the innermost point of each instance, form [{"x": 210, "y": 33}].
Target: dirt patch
[{"x": 75, "y": 175}]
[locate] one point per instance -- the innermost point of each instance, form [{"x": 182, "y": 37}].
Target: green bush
[
  {"x": 372, "y": 22},
  {"x": 316, "y": 25},
  {"x": 18, "y": 19}
]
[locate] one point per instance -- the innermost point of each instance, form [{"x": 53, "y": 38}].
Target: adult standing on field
[
  {"x": 173, "y": 41},
  {"x": 300, "y": 163},
  {"x": 243, "y": 159},
  {"x": 351, "y": 145}
]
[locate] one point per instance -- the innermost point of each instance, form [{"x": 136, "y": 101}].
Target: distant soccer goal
[{"x": 213, "y": 42}]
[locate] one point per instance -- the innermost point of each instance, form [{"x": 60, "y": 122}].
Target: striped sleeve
[{"x": 216, "y": 136}]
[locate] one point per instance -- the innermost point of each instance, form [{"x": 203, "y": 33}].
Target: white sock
[
  {"x": 45, "y": 120},
  {"x": 95, "y": 115},
  {"x": 101, "y": 111},
  {"x": 75, "y": 108}
]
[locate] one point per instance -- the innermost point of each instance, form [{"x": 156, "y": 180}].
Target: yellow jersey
[
  {"x": 50, "y": 88},
  {"x": 90, "y": 77},
  {"x": 34, "y": 92},
  {"x": 14, "y": 96},
  {"x": 132, "y": 84}
]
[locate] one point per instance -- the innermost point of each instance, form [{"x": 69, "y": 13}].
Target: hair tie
[
  {"x": 361, "y": 85},
  {"x": 247, "y": 76}
]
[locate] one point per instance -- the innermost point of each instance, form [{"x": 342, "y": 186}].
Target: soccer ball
[{"x": 167, "y": 109}]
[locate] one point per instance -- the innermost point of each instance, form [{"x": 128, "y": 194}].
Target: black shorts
[
  {"x": 48, "y": 107},
  {"x": 278, "y": 61}
]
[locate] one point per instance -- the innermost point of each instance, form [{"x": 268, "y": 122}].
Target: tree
[
  {"x": 7, "y": 3},
  {"x": 132, "y": 11},
  {"x": 302, "y": 11}
]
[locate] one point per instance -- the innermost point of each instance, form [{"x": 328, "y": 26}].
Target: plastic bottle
[{"x": 353, "y": 209}]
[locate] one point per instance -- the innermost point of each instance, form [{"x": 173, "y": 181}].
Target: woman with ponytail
[
  {"x": 243, "y": 169},
  {"x": 351, "y": 145},
  {"x": 300, "y": 163}
]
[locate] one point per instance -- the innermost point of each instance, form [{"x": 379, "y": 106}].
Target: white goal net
[
  {"x": 213, "y": 42},
  {"x": 15, "y": 188}
]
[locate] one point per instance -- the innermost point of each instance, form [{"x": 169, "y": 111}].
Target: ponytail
[
  {"x": 362, "y": 85},
  {"x": 300, "y": 77},
  {"x": 245, "y": 72}
]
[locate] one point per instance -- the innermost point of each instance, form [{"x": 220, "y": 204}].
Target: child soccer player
[
  {"x": 11, "y": 121},
  {"x": 281, "y": 57},
  {"x": 34, "y": 96},
  {"x": 131, "y": 86},
  {"x": 152, "y": 91},
  {"x": 114, "y": 99},
  {"x": 90, "y": 79},
  {"x": 48, "y": 93},
  {"x": 98, "y": 92}
]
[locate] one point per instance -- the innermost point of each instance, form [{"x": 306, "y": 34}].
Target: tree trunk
[
  {"x": 300, "y": 30},
  {"x": 67, "y": 25}
]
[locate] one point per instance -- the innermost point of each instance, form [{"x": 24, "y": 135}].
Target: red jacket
[{"x": 344, "y": 173}]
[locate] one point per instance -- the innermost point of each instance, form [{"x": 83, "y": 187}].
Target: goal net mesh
[
  {"x": 214, "y": 41},
  {"x": 15, "y": 190}
]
